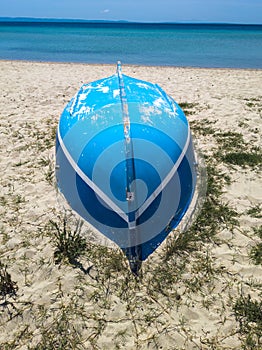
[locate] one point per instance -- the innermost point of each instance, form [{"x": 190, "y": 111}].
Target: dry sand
[{"x": 96, "y": 309}]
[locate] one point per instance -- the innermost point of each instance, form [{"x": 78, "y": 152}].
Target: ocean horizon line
[{"x": 128, "y": 22}]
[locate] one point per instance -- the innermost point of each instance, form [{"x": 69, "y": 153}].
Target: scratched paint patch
[
  {"x": 116, "y": 93},
  {"x": 103, "y": 89}
]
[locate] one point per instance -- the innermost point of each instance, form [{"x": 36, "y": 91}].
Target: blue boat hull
[{"x": 125, "y": 161}]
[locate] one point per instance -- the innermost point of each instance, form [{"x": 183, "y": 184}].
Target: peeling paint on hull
[{"x": 125, "y": 161}]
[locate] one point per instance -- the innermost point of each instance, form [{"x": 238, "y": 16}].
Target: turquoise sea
[{"x": 195, "y": 45}]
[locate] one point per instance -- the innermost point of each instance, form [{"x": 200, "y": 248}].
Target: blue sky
[{"x": 230, "y": 11}]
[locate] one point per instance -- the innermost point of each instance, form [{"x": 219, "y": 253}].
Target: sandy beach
[{"x": 188, "y": 297}]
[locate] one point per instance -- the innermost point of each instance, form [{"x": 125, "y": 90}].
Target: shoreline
[{"x": 132, "y": 65}]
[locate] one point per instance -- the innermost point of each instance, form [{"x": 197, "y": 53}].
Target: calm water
[{"x": 197, "y": 45}]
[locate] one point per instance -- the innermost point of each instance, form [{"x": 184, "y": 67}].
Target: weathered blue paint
[{"x": 125, "y": 161}]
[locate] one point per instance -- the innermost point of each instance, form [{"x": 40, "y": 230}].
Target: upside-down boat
[{"x": 125, "y": 162}]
